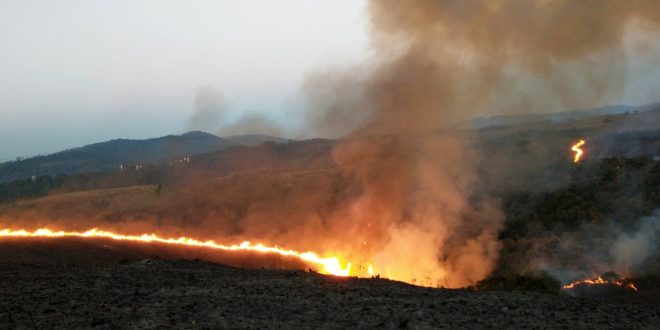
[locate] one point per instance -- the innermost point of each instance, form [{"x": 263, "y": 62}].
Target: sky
[{"x": 74, "y": 72}]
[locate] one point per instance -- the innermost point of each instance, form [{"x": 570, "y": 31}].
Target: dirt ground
[{"x": 48, "y": 287}]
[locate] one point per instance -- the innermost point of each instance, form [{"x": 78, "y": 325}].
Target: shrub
[{"x": 532, "y": 281}]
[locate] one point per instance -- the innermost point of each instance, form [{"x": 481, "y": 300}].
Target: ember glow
[
  {"x": 601, "y": 281},
  {"x": 327, "y": 265},
  {"x": 578, "y": 151}
]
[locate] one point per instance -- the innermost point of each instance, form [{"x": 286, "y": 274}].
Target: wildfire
[
  {"x": 327, "y": 265},
  {"x": 578, "y": 152},
  {"x": 601, "y": 281}
]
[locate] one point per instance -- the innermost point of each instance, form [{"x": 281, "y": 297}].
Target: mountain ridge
[
  {"x": 557, "y": 117},
  {"x": 113, "y": 153}
]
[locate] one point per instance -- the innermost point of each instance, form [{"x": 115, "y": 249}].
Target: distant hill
[
  {"x": 304, "y": 156},
  {"x": 611, "y": 131},
  {"x": 557, "y": 117},
  {"x": 252, "y": 140},
  {"x": 111, "y": 154},
  {"x": 531, "y": 155}
]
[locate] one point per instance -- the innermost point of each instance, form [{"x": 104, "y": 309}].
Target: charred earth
[{"x": 102, "y": 287}]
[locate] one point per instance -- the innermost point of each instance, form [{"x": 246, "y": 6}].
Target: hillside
[
  {"x": 112, "y": 154},
  {"x": 210, "y": 196},
  {"x": 304, "y": 155},
  {"x": 252, "y": 140},
  {"x": 557, "y": 117},
  {"x": 537, "y": 155}
]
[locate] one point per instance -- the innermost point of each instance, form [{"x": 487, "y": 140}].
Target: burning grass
[
  {"x": 601, "y": 284},
  {"x": 327, "y": 265}
]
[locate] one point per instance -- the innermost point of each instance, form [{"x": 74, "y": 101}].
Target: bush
[{"x": 533, "y": 281}]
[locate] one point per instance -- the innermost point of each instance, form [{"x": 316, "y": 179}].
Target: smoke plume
[
  {"x": 210, "y": 110},
  {"x": 212, "y": 113},
  {"x": 630, "y": 251},
  {"x": 598, "y": 248},
  {"x": 440, "y": 62}
]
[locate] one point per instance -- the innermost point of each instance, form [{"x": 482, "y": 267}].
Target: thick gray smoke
[
  {"x": 599, "y": 248},
  {"x": 440, "y": 62},
  {"x": 631, "y": 250},
  {"x": 212, "y": 113},
  {"x": 210, "y": 110}
]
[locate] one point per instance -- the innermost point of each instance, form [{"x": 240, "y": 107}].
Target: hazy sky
[
  {"x": 74, "y": 72},
  {"x": 78, "y": 72}
]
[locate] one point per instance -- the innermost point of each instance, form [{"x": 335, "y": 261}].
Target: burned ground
[{"x": 157, "y": 293}]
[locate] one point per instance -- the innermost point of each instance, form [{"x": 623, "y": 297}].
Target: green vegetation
[
  {"x": 109, "y": 155},
  {"x": 44, "y": 185},
  {"x": 30, "y": 188}
]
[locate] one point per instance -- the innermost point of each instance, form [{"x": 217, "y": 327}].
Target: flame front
[
  {"x": 327, "y": 265},
  {"x": 600, "y": 281},
  {"x": 578, "y": 152}
]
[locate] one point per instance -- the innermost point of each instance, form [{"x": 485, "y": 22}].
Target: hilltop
[{"x": 125, "y": 153}]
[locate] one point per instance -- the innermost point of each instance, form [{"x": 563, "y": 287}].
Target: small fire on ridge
[
  {"x": 576, "y": 148},
  {"x": 599, "y": 280}
]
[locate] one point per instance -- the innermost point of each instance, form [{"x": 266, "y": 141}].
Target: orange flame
[
  {"x": 328, "y": 265},
  {"x": 578, "y": 152},
  {"x": 600, "y": 281}
]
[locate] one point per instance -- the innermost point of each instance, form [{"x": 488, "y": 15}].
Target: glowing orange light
[
  {"x": 327, "y": 265},
  {"x": 578, "y": 152},
  {"x": 371, "y": 270},
  {"x": 600, "y": 281}
]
